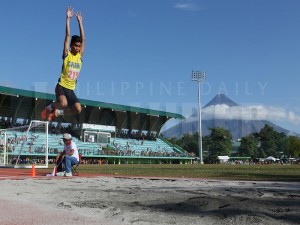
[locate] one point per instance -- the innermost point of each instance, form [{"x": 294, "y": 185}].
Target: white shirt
[{"x": 68, "y": 149}]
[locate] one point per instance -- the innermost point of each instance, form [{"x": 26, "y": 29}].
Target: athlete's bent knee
[
  {"x": 77, "y": 109},
  {"x": 63, "y": 104}
]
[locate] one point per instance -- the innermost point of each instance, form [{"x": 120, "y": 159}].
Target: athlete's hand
[
  {"x": 79, "y": 17},
  {"x": 69, "y": 12}
]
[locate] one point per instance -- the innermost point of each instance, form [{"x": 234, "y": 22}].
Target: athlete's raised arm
[
  {"x": 79, "y": 19},
  {"x": 69, "y": 14}
]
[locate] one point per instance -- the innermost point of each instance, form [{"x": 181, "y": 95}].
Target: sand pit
[{"x": 109, "y": 200}]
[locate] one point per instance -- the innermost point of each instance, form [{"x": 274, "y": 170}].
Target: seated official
[{"x": 71, "y": 156}]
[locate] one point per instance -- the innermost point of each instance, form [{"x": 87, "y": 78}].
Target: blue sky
[{"x": 142, "y": 52}]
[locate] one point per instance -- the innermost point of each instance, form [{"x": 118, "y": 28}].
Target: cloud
[
  {"x": 8, "y": 84},
  {"x": 186, "y": 6},
  {"x": 256, "y": 112}
]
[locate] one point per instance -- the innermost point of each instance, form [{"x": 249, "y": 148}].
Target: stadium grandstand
[{"x": 103, "y": 132}]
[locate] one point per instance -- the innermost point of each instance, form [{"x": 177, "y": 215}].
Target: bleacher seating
[
  {"x": 144, "y": 147},
  {"x": 35, "y": 144}
]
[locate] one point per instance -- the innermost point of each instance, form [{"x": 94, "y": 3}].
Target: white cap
[{"x": 67, "y": 136}]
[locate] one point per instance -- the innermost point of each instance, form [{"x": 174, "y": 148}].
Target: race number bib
[{"x": 73, "y": 73}]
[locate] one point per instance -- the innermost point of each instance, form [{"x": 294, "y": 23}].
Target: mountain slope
[
  {"x": 238, "y": 128},
  {"x": 220, "y": 99}
]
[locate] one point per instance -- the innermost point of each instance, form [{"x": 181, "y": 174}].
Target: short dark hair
[{"x": 76, "y": 38}]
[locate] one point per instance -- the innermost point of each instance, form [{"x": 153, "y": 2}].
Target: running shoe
[
  {"x": 68, "y": 174},
  {"x": 52, "y": 115},
  {"x": 45, "y": 113}
]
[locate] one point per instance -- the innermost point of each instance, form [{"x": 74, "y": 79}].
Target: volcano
[{"x": 238, "y": 128}]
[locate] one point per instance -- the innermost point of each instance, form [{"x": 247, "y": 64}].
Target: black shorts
[{"x": 70, "y": 95}]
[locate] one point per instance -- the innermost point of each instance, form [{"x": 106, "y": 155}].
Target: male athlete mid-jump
[{"x": 66, "y": 101}]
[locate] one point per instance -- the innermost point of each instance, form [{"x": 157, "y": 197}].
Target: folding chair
[{"x": 75, "y": 166}]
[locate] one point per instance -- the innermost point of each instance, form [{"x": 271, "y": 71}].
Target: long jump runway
[{"x": 21, "y": 174}]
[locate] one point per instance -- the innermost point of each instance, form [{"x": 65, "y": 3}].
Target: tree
[
  {"x": 220, "y": 143},
  {"x": 272, "y": 143},
  {"x": 188, "y": 142},
  {"x": 293, "y": 146},
  {"x": 268, "y": 141},
  {"x": 248, "y": 147},
  {"x": 281, "y": 140},
  {"x": 193, "y": 147}
]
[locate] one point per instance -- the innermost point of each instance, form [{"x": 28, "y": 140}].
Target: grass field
[{"x": 290, "y": 173}]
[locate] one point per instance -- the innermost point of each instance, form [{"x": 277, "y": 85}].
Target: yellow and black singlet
[{"x": 70, "y": 70}]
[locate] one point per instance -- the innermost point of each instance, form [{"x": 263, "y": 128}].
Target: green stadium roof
[{"x": 33, "y": 94}]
